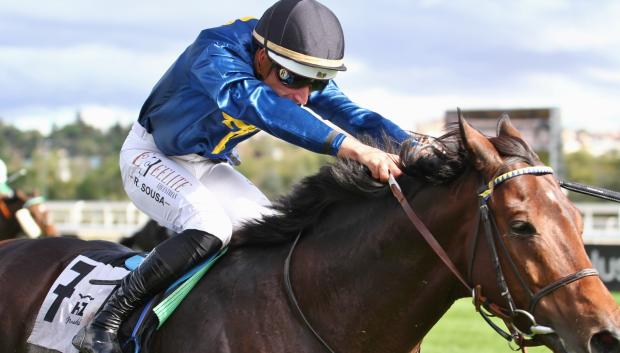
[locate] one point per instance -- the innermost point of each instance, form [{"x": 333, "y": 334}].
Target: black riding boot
[{"x": 164, "y": 264}]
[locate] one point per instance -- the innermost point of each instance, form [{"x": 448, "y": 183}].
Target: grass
[{"x": 462, "y": 330}]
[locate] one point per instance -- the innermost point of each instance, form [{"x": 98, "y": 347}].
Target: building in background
[
  {"x": 540, "y": 127},
  {"x": 595, "y": 143}
]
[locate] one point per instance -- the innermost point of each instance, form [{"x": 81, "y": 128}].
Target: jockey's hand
[{"x": 380, "y": 163}]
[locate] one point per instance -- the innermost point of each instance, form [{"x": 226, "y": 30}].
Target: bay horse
[
  {"x": 361, "y": 273},
  {"x": 10, "y": 225}
]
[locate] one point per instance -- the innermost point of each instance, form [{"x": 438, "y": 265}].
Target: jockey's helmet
[{"x": 302, "y": 36}]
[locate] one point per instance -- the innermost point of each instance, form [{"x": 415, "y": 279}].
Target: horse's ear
[
  {"x": 505, "y": 127},
  {"x": 480, "y": 150}
]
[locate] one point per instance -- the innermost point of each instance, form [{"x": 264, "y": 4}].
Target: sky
[{"x": 408, "y": 60}]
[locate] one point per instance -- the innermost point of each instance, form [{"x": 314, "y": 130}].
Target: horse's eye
[{"x": 521, "y": 228}]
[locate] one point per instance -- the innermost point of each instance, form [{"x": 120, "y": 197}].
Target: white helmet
[{"x": 3, "y": 176}]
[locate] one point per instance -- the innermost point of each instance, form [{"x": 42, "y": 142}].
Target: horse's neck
[{"x": 373, "y": 278}]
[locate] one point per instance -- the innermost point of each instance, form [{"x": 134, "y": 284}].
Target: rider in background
[{"x": 232, "y": 82}]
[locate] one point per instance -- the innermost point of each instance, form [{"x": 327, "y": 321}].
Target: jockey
[{"x": 232, "y": 82}]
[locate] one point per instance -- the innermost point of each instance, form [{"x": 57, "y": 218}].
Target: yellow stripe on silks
[
  {"x": 299, "y": 57},
  {"x": 243, "y": 19},
  {"x": 238, "y": 127}
]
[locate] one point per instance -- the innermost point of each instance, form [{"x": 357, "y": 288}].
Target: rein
[{"x": 601, "y": 193}]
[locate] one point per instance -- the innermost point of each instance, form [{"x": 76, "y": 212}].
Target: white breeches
[{"x": 187, "y": 192}]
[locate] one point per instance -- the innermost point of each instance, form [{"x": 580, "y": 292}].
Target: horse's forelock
[{"x": 510, "y": 147}]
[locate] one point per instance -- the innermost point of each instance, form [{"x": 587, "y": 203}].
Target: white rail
[
  {"x": 108, "y": 220},
  {"x": 111, "y": 220},
  {"x": 601, "y": 222}
]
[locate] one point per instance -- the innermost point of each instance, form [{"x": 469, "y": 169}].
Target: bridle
[{"x": 521, "y": 324}]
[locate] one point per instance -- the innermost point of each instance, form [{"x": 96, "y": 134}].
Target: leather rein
[{"x": 521, "y": 324}]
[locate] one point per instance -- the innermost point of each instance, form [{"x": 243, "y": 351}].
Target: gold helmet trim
[{"x": 312, "y": 60}]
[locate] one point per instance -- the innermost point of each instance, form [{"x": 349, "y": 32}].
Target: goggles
[{"x": 289, "y": 79}]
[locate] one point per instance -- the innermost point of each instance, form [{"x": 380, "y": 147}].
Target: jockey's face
[{"x": 266, "y": 71}]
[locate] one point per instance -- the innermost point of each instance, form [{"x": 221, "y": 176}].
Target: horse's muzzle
[{"x": 605, "y": 341}]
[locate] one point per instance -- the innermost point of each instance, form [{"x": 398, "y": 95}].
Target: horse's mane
[{"x": 424, "y": 160}]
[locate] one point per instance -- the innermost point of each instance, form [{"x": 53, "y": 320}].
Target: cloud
[
  {"x": 40, "y": 118},
  {"x": 603, "y": 74},
  {"x": 77, "y": 75},
  {"x": 580, "y": 106},
  {"x": 44, "y": 118},
  {"x": 407, "y": 59}
]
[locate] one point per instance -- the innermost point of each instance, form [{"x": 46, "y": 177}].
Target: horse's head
[
  {"x": 24, "y": 213},
  {"x": 537, "y": 233}
]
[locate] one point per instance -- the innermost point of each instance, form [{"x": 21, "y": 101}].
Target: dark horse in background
[
  {"x": 362, "y": 274},
  {"x": 147, "y": 237},
  {"x": 12, "y": 226}
]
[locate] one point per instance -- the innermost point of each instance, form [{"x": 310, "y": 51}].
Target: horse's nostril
[{"x": 604, "y": 342}]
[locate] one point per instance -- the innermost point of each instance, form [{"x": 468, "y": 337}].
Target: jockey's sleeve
[
  {"x": 231, "y": 82},
  {"x": 333, "y": 105}
]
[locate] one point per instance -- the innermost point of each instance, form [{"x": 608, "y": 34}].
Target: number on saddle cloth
[{"x": 78, "y": 293}]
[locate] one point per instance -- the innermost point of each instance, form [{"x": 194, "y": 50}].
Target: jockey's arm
[{"x": 380, "y": 163}]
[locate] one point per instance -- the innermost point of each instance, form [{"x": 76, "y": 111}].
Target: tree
[
  {"x": 275, "y": 166},
  {"x": 602, "y": 171}
]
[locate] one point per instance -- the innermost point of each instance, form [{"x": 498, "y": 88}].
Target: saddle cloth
[{"x": 71, "y": 303}]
